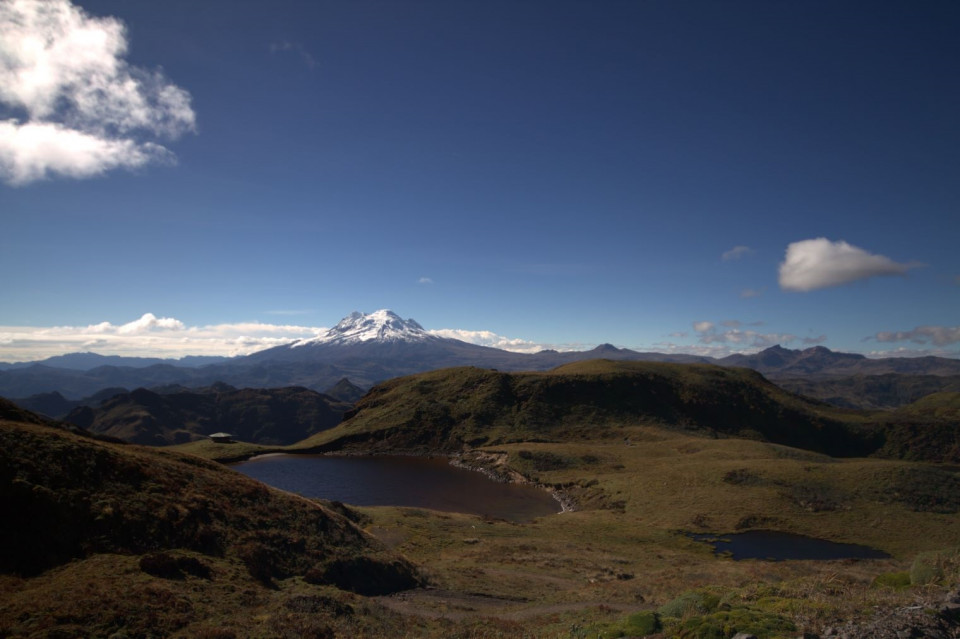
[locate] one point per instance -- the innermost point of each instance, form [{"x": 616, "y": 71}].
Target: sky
[{"x": 708, "y": 177}]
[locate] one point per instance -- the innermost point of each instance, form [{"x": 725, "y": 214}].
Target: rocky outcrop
[{"x": 930, "y": 619}]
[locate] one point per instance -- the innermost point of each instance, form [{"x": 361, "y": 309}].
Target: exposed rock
[{"x": 930, "y": 620}]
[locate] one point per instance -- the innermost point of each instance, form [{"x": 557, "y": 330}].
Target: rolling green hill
[{"x": 450, "y": 408}]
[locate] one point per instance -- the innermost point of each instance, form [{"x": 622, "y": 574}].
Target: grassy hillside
[
  {"x": 928, "y": 429},
  {"x": 447, "y": 409},
  {"x": 871, "y": 392},
  {"x": 272, "y": 416},
  {"x": 184, "y": 539},
  {"x": 170, "y": 545}
]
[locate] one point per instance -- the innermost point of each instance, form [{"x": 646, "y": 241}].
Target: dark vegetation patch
[
  {"x": 365, "y": 576},
  {"x": 541, "y": 460},
  {"x": 920, "y": 488},
  {"x": 757, "y": 521},
  {"x": 931, "y": 440},
  {"x": 341, "y": 508},
  {"x": 166, "y": 566},
  {"x": 313, "y": 604},
  {"x": 816, "y": 497},
  {"x": 742, "y": 477}
]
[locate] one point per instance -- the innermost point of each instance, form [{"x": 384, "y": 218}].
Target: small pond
[
  {"x": 422, "y": 482},
  {"x": 779, "y": 546}
]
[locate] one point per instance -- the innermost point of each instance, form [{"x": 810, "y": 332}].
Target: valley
[{"x": 642, "y": 454}]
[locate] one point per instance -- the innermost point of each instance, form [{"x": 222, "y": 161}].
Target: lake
[
  {"x": 779, "y": 546},
  {"x": 422, "y": 482}
]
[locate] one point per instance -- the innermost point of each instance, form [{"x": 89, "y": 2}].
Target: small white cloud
[
  {"x": 78, "y": 108},
  {"x": 736, "y": 253},
  {"x": 747, "y": 293},
  {"x": 298, "y": 49},
  {"x": 937, "y": 335},
  {"x": 702, "y": 327},
  {"x": 149, "y": 322},
  {"x": 425, "y": 280},
  {"x": 820, "y": 263}
]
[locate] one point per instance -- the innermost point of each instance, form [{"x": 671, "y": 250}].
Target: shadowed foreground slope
[{"x": 76, "y": 507}]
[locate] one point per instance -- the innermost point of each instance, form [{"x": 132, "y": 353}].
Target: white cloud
[
  {"x": 491, "y": 339},
  {"x": 937, "y": 335},
  {"x": 79, "y": 109},
  {"x": 425, "y": 280},
  {"x": 488, "y": 338},
  {"x": 28, "y": 152},
  {"x": 747, "y": 293},
  {"x": 295, "y": 47},
  {"x": 148, "y": 336},
  {"x": 149, "y": 322},
  {"x": 752, "y": 339},
  {"x": 742, "y": 340},
  {"x": 820, "y": 263},
  {"x": 914, "y": 352},
  {"x": 736, "y": 253}
]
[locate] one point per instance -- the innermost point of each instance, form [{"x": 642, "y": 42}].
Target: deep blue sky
[{"x": 567, "y": 173}]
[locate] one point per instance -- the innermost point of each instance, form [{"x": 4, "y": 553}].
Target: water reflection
[
  {"x": 400, "y": 481},
  {"x": 779, "y": 546}
]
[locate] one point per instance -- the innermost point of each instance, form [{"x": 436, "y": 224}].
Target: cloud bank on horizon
[
  {"x": 81, "y": 108},
  {"x": 167, "y": 337}
]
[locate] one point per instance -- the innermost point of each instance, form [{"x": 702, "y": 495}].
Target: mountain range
[{"x": 370, "y": 348}]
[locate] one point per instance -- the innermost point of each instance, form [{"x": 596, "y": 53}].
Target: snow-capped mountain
[{"x": 381, "y": 326}]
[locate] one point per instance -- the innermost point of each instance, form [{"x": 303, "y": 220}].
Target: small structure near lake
[{"x": 222, "y": 438}]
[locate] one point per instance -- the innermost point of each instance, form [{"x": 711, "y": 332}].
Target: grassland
[{"x": 646, "y": 453}]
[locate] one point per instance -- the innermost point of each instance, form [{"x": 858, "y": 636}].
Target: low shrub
[
  {"x": 690, "y": 603},
  {"x": 544, "y": 460},
  {"x": 726, "y": 624},
  {"x": 894, "y": 580},
  {"x": 639, "y": 624},
  {"x": 935, "y": 567}
]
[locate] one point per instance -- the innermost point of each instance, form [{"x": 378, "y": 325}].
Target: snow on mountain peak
[{"x": 383, "y": 326}]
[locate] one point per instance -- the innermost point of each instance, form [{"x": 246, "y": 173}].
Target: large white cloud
[
  {"x": 79, "y": 108},
  {"x": 820, "y": 263}
]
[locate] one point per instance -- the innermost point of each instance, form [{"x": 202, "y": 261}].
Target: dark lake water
[
  {"x": 421, "y": 482},
  {"x": 778, "y": 546}
]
